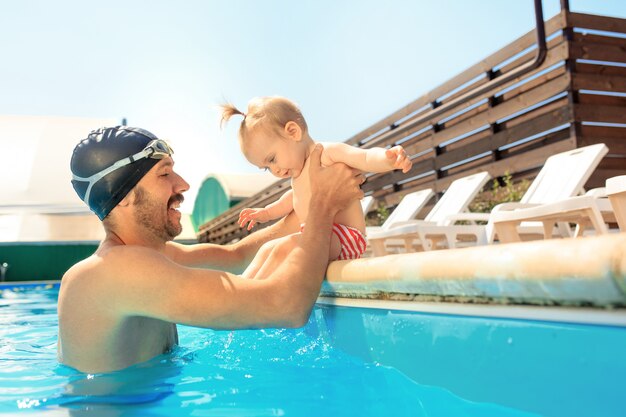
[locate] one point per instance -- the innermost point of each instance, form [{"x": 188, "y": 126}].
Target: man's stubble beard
[{"x": 149, "y": 214}]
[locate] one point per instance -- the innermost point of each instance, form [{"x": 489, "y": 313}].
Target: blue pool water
[{"x": 273, "y": 372}]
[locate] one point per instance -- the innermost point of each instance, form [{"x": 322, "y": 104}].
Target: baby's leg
[
  {"x": 270, "y": 256},
  {"x": 335, "y": 247},
  {"x": 259, "y": 259}
]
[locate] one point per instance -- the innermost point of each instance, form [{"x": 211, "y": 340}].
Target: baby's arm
[
  {"x": 280, "y": 208},
  {"x": 368, "y": 160}
]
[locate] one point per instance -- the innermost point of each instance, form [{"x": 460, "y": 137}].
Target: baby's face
[{"x": 283, "y": 157}]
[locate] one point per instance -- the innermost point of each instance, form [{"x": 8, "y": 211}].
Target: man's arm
[
  {"x": 233, "y": 257},
  {"x": 162, "y": 289},
  {"x": 367, "y": 160}
]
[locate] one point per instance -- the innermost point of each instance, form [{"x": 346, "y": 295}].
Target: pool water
[
  {"x": 274, "y": 372},
  {"x": 345, "y": 362}
]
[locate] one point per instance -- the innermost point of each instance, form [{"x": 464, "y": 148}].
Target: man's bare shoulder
[{"x": 112, "y": 265}]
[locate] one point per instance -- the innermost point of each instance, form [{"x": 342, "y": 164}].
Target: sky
[{"x": 165, "y": 65}]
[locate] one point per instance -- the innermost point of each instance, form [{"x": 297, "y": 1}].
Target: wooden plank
[
  {"x": 494, "y": 141},
  {"x": 520, "y": 150},
  {"x": 400, "y": 138},
  {"x": 376, "y": 130},
  {"x": 603, "y": 114},
  {"x": 555, "y": 105},
  {"x": 466, "y": 142},
  {"x": 612, "y": 83},
  {"x": 613, "y": 163},
  {"x": 598, "y": 39},
  {"x": 617, "y": 146},
  {"x": 608, "y": 167},
  {"x": 598, "y": 52},
  {"x": 478, "y": 163},
  {"x": 603, "y": 131},
  {"x": 549, "y": 76},
  {"x": 465, "y": 115},
  {"x": 588, "y": 21},
  {"x": 423, "y": 145},
  {"x": 600, "y": 99},
  {"x": 532, "y": 159},
  {"x": 587, "y": 68},
  {"x": 525, "y": 100}
]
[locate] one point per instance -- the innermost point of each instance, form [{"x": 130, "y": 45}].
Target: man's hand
[
  {"x": 254, "y": 216},
  {"x": 398, "y": 159},
  {"x": 335, "y": 186}
]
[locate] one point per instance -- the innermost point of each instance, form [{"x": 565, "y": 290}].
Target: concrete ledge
[{"x": 587, "y": 271}]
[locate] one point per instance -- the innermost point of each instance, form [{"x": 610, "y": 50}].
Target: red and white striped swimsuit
[{"x": 353, "y": 243}]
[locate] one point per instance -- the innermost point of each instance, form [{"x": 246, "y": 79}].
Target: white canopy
[
  {"x": 37, "y": 201},
  {"x": 35, "y": 172}
]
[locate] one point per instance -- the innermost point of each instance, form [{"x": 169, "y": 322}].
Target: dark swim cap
[{"x": 99, "y": 151}]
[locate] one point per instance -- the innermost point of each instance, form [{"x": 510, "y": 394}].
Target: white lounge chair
[
  {"x": 551, "y": 199},
  {"x": 409, "y": 207},
  {"x": 450, "y": 208},
  {"x": 367, "y": 203},
  {"x": 616, "y": 191}
]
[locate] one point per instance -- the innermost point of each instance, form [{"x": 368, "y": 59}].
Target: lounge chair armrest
[
  {"x": 410, "y": 222},
  {"x": 398, "y": 230},
  {"x": 512, "y": 206}
]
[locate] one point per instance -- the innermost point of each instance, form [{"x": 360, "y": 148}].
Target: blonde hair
[{"x": 267, "y": 113}]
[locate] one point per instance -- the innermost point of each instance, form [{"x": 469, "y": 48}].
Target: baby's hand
[
  {"x": 252, "y": 215},
  {"x": 398, "y": 158}
]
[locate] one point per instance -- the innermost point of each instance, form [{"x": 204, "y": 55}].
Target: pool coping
[{"x": 575, "y": 272}]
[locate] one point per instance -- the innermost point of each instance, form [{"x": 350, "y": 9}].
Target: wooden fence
[{"x": 577, "y": 97}]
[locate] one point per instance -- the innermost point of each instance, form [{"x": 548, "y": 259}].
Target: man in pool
[{"x": 120, "y": 306}]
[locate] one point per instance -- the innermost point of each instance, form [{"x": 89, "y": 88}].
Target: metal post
[{"x": 3, "y": 271}]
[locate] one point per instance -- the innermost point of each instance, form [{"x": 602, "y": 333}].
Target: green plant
[
  {"x": 378, "y": 216},
  {"x": 506, "y": 193}
]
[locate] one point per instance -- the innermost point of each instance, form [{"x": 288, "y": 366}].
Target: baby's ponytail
[{"x": 228, "y": 111}]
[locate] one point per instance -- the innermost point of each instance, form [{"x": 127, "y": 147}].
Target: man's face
[{"x": 157, "y": 199}]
